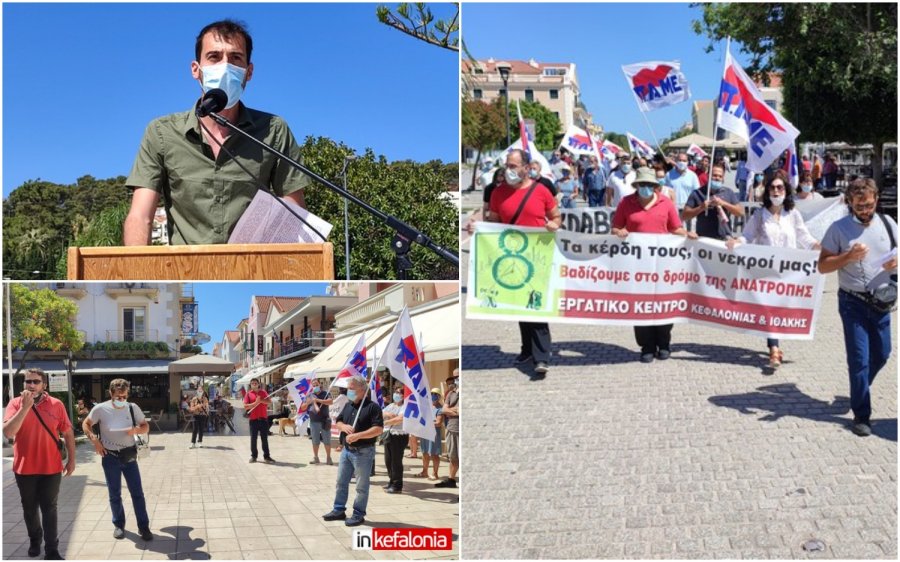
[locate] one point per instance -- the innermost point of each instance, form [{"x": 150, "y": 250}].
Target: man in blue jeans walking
[
  {"x": 856, "y": 247},
  {"x": 360, "y": 423},
  {"x": 119, "y": 422}
]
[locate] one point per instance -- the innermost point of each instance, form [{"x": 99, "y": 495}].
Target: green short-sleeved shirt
[{"x": 205, "y": 197}]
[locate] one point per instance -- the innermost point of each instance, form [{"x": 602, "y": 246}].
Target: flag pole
[
  {"x": 652, "y": 132},
  {"x": 644, "y": 115},
  {"x": 712, "y": 152}
]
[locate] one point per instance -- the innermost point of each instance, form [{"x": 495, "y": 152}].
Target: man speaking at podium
[{"x": 205, "y": 190}]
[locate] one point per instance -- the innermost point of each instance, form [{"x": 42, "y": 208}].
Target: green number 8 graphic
[{"x": 512, "y": 270}]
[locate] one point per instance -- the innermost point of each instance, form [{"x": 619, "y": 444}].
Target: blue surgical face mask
[
  {"x": 682, "y": 166},
  {"x": 645, "y": 191},
  {"x": 398, "y": 397},
  {"x": 533, "y": 174},
  {"x": 120, "y": 403},
  {"x": 316, "y": 389},
  {"x": 715, "y": 185},
  {"x": 758, "y": 178},
  {"x": 226, "y": 76},
  {"x": 806, "y": 187},
  {"x": 351, "y": 395},
  {"x": 626, "y": 168}
]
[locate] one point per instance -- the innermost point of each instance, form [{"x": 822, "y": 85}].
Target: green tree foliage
[
  {"x": 104, "y": 230},
  {"x": 546, "y": 124},
  {"x": 414, "y": 193},
  {"x": 41, "y": 320},
  {"x": 40, "y": 220},
  {"x": 483, "y": 127},
  {"x": 838, "y": 63},
  {"x": 443, "y": 33}
]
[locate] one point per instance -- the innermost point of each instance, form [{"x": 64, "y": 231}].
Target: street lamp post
[
  {"x": 71, "y": 364},
  {"x": 347, "y": 160},
  {"x": 504, "y": 68}
]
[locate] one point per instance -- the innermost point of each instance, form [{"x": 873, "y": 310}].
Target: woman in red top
[
  {"x": 649, "y": 212},
  {"x": 538, "y": 208}
]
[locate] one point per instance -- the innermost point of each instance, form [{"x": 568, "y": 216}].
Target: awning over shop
[
  {"x": 437, "y": 329},
  {"x": 100, "y": 367},
  {"x": 201, "y": 365},
  {"x": 258, "y": 372},
  {"x": 329, "y": 361}
]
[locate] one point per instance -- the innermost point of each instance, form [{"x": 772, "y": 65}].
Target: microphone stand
[{"x": 404, "y": 234}]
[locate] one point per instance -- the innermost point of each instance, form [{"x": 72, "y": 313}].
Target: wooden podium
[{"x": 282, "y": 262}]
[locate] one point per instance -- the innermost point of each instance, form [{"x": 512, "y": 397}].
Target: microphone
[{"x": 213, "y": 101}]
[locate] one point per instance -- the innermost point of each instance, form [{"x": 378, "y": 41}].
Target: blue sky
[
  {"x": 81, "y": 81},
  {"x": 599, "y": 39},
  {"x": 223, "y": 305}
]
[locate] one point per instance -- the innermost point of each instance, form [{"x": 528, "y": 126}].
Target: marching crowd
[
  {"x": 44, "y": 445},
  {"x": 657, "y": 195}
]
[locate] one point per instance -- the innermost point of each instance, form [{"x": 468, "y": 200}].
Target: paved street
[
  {"x": 211, "y": 503},
  {"x": 706, "y": 455}
]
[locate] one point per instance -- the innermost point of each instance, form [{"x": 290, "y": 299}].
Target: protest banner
[
  {"x": 530, "y": 274},
  {"x": 818, "y": 214}
]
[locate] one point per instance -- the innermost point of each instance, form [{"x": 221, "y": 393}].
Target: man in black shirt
[
  {"x": 713, "y": 214},
  {"x": 358, "y": 435}
]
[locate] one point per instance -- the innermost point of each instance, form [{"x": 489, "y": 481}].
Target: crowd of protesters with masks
[{"x": 666, "y": 190}]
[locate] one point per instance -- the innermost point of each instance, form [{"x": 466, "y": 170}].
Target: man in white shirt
[{"x": 619, "y": 184}]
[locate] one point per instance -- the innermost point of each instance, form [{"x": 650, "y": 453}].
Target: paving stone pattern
[
  {"x": 707, "y": 455},
  {"x": 211, "y": 503}
]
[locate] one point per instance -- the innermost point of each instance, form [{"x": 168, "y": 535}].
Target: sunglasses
[
  {"x": 776, "y": 187},
  {"x": 34, "y": 381}
]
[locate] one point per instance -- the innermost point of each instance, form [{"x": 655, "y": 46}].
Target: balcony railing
[
  {"x": 132, "y": 335},
  {"x": 290, "y": 346}
]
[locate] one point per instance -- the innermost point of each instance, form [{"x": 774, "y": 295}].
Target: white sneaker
[
  {"x": 191, "y": 446},
  {"x": 200, "y": 445}
]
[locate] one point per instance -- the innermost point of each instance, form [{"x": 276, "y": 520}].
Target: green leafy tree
[
  {"x": 483, "y": 127},
  {"x": 838, "y": 64},
  {"x": 443, "y": 33},
  {"x": 546, "y": 124},
  {"x": 41, "y": 219},
  {"x": 106, "y": 229},
  {"x": 413, "y": 192},
  {"x": 41, "y": 320}
]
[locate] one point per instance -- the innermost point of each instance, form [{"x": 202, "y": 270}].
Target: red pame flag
[
  {"x": 657, "y": 84},
  {"x": 403, "y": 358}
]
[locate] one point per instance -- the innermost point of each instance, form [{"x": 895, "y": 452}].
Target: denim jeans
[
  {"x": 360, "y": 463},
  {"x": 595, "y": 197},
  {"x": 261, "y": 428},
  {"x": 867, "y": 338},
  {"x": 114, "y": 469},
  {"x": 40, "y": 491}
]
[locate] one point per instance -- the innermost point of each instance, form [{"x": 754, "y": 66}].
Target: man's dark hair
[
  {"x": 861, "y": 187},
  {"x": 523, "y": 154},
  {"x": 227, "y": 29},
  {"x": 40, "y": 372}
]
